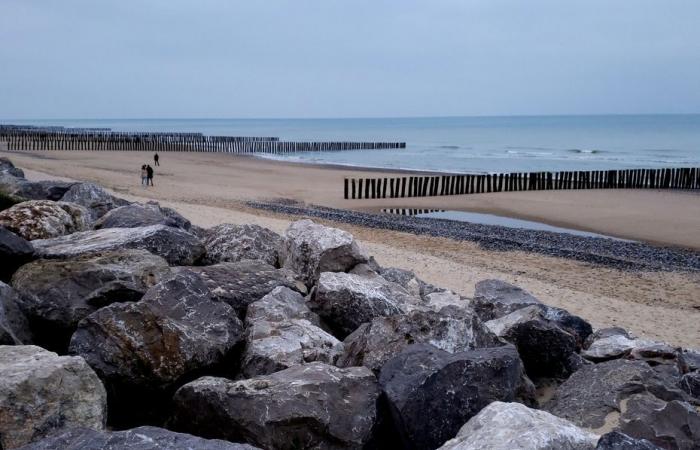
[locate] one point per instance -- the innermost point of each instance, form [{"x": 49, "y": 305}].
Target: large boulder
[
  {"x": 14, "y": 252},
  {"x": 140, "y": 215},
  {"x": 94, "y": 198},
  {"x": 310, "y": 249},
  {"x": 431, "y": 393},
  {"x": 141, "y": 438},
  {"x": 495, "y": 298},
  {"x": 14, "y": 328},
  {"x": 57, "y": 294},
  {"x": 345, "y": 301},
  {"x": 144, "y": 350},
  {"x": 608, "y": 343},
  {"x": 620, "y": 441},
  {"x": 241, "y": 283},
  {"x": 7, "y": 167},
  {"x": 232, "y": 243},
  {"x": 311, "y": 406},
  {"x": 281, "y": 333},
  {"x": 177, "y": 246},
  {"x": 512, "y": 426},
  {"x": 44, "y": 219},
  {"x": 452, "y": 330},
  {"x": 20, "y": 189},
  {"x": 408, "y": 280},
  {"x": 41, "y": 392},
  {"x": 690, "y": 383}
]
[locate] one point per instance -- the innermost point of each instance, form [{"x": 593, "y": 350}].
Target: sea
[{"x": 463, "y": 144}]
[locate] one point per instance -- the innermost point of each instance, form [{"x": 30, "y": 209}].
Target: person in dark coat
[
  {"x": 155, "y": 159},
  {"x": 149, "y": 171}
]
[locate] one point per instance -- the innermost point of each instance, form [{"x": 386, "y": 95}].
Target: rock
[
  {"x": 6, "y": 167},
  {"x": 345, "y": 301},
  {"x": 545, "y": 348},
  {"x": 14, "y": 252},
  {"x": 605, "y": 333},
  {"x": 41, "y": 392},
  {"x": 512, "y": 426},
  {"x": 689, "y": 361},
  {"x": 44, "y": 219},
  {"x": 283, "y": 332},
  {"x": 14, "y": 328},
  {"x": 94, "y": 198},
  {"x": 672, "y": 424},
  {"x": 177, "y": 219},
  {"x": 440, "y": 299},
  {"x": 177, "y": 246},
  {"x": 141, "y": 438},
  {"x": 311, "y": 406},
  {"x": 137, "y": 215},
  {"x": 609, "y": 343},
  {"x": 494, "y": 299},
  {"x": 309, "y": 249},
  {"x": 57, "y": 294},
  {"x": 142, "y": 350},
  {"x": 574, "y": 325},
  {"x": 690, "y": 383},
  {"x": 654, "y": 352},
  {"x": 619, "y": 441},
  {"x": 431, "y": 393},
  {"x": 414, "y": 285},
  {"x": 233, "y": 243},
  {"x": 453, "y": 331},
  {"x": 241, "y": 283},
  {"x": 593, "y": 395},
  {"x": 23, "y": 190}
]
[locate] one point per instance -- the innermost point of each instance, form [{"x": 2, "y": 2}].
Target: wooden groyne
[
  {"x": 438, "y": 185},
  {"x": 57, "y": 138},
  {"x": 410, "y": 211}
]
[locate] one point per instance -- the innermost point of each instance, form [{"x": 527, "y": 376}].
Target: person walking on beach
[
  {"x": 149, "y": 175},
  {"x": 144, "y": 176},
  {"x": 155, "y": 159}
]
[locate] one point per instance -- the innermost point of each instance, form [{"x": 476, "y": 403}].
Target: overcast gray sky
[{"x": 361, "y": 58}]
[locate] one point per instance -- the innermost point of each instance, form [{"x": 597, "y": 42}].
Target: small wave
[
  {"x": 590, "y": 152},
  {"x": 452, "y": 147}
]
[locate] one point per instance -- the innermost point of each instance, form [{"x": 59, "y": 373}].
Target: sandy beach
[{"x": 210, "y": 189}]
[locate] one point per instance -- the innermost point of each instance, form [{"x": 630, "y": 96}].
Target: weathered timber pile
[{"x": 126, "y": 327}]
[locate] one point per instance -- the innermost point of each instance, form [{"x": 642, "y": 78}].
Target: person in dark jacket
[
  {"x": 155, "y": 159},
  {"x": 149, "y": 171}
]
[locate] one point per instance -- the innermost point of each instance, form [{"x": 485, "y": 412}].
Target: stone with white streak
[{"x": 44, "y": 219}]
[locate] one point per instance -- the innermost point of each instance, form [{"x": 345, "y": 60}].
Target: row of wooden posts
[
  {"x": 428, "y": 186},
  {"x": 410, "y": 211}
]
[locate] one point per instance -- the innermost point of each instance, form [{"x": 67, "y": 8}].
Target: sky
[{"x": 362, "y": 58}]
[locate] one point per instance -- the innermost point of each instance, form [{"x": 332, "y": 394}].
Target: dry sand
[{"x": 208, "y": 189}]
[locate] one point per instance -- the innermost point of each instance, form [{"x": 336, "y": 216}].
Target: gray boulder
[
  {"x": 141, "y": 438},
  {"x": 345, "y": 301},
  {"x": 690, "y": 383},
  {"x": 689, "y": 361},
  {"x": 232, "y": 243},
  {"x": 431, "y": 393},
  {"x": 14, "y": 252},
  {"x": 7, "y": 167},
  {"x": 22, "y": 190},
  {"x": 512, "y": 426},
  {"x": 495, "y": 298},
  {"x": 14, "y": 328},
  {"x": 608, "y": 343},
  {"x": 44, "y": 219},
  {"x": 282, "y": 332},
  {"x": 311, "y": 406},
  {"x": 309, "y": 249},
  {"x": 452, "y": 330},
  {"x": 408, "y": 280},
  {"x": 94, "y": 198},
  {"x": 177, "y": 246},
  {"x": 241, "y": 283},
  {"x": 140, "y": 215},
  {"x": 142, "y": 350},
  {"x": 41, "y": 392},
  {"x": 57, "y": 294},
  {"x": 620, "y": 441}
]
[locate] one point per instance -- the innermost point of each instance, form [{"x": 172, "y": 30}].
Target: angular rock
[
  {"x": 175, "y": 217},
  {"x": 602, "y": 333},
  {"x": 690, "y": 383},
  {"x": 414, "y": 285},
  {"x": 689, "y": 361},
  {"x": 608, "y": 343},
  {"x": 141, "y": 438},
  {"x": 512, "y": 426},
  {"x": 138, "y": 215},
  {"x": 177, "y": 246},
  {"x": 143, "y": 350},
  {"x": 672, "y": 424},
  {"x": 620, "y": 441},
  {"x": 574, "y": 325},
  {"x": 241, "y": 283},
  {"x": 41, "y": 392},
  {"x": 431, "y": 393},
  {"x": 452, "y": 330},
  {"x": 57, "y": 294},
  {"x": 23, "y": 190},
  {"x": 14, "y": 252},
  {"x": 310, "y": 406},
  {"x": 494, "y": 299},
  {"x": 283, "y": 332},
  {"x": 94, "y": 198},
  {"x": 232, "y": 243},
  {"x": 655, "y": 353},
  {"x": 7, "y": 167},
  {"x": 310, "y": 249},
  {"x": 345, "y": 301},
  {"x": 14, "y": 328},
  {"x": 44, "y": 219}
]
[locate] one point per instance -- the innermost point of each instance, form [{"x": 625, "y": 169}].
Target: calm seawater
[{"x": 466, "y": 144}]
